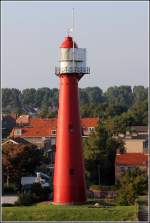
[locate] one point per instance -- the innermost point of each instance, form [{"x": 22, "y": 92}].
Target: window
[
  {"x": 85, "y": 131},
  {"x": 71, "y": 128},
  {"x": 131, "y": 169},
  {"x": 91, "y": 129},
  {"x": 145, "y": 144},
  {"x": 53, "y": 141},
  {"x": 53, "y": 132},
  {"x": 122, "y": 169},
  {"x": 71, "y": 172},
  {"x": 18, "y": 132}
]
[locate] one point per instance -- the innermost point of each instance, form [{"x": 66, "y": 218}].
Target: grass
[{"x": 47, "y": 212}]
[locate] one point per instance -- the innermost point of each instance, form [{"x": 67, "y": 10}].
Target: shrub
[
  {"x": 132, "y": 184},
  {"x": 36, "y": 194},
  {"x": 9, "y": 189},
  {"x": 41, "y": 194},
  {"x": 25, "y": 199},
  {"x": 36, "y": 188},
  {"x": 7, "y": 205},
  {"x": 126, "y": 195},
  {"x": 45, "y": 194}
]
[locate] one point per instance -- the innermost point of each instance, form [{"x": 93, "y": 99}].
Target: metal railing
[{"x": 69, "y": 70}]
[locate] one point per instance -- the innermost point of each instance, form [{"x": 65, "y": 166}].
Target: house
[
  {"x": 130, "y": 161},
  {"x": 135, "y": 153},
  {"x": 42, "y": 132},
  {"x": 88, "y": 125},
  {"x": 40, "y": 177},
  {"x": 135, "y": 140},
  {"x": 136, "y": 145},
  {"x": 23, "y": 120}
]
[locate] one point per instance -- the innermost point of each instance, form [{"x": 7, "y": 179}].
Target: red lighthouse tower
[{"x": 69, "y": 178}]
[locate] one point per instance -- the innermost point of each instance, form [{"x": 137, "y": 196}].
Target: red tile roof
[
  {"x": 132, "y": 159},
  {"x": 36, "y": 132},
  {"x": 39, "y": 127},
  {"x": 89, "y": 122},
  {"x": 39, "y": 122}
]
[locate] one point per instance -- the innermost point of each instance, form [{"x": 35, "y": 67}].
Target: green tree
[
  {"x": 19, "y": 160},
  {"x": 113, "y": 110},
  {"x": 132, "y": 184},
  {"x": 11, "y": 100},
  {"x": 44, "y": 112},
  {"x": 95, "y": 94},
  {"x": 54, "y": 96},
  {"x": 118, "y": 104},
  {"x": 120, "y": 96},
  {"x": 84, "y": 99},
  {"x": 139, "y": 113},
  {"x": 140, "y": 93},
  {"x": 99, "y": 152},
  {"x": 28, "y": 97},
  {"x": 136, "y": 115}
]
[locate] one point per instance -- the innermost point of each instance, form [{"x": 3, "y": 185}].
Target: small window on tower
[
  {"x": 71, "y": 172},
  {"x": 71, "y": 128}
]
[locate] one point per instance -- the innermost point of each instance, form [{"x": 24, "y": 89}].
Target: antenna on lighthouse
[{"x": 73, "y": 26}]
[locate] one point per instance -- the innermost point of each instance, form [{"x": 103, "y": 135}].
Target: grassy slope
[{"x": 45, "y": 212}]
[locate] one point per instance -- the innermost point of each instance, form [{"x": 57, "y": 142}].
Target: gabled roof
[
  {"x": 23, "y": 119},
  {"x": 132, "y": 159},
  {"x": 89, "y": 122},
  {"x": 17, "y": 140}
]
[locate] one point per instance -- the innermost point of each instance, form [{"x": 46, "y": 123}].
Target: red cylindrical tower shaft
[
  {"x": 69, "y": 178},
  {"x": 69, "y": 182}
]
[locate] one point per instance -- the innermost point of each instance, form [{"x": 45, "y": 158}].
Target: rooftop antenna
[
  {"x": 68, "y": 30},
  {"x": 73, "y": 26}
]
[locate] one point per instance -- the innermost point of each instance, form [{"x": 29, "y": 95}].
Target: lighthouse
[{"x": 69, "y": 177}]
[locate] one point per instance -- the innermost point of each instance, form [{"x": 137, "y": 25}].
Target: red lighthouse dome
[{"x": 68, "y": 43}]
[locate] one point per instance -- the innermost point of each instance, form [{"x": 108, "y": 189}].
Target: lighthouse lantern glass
[{"x": 68, "y": 55}]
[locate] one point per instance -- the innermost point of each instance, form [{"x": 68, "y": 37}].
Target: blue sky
[{"x": 114, "y": 33}]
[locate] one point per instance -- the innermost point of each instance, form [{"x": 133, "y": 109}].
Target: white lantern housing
[{"x": 72, "y": 60}]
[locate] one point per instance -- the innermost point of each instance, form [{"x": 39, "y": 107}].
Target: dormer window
[
  {"x": 18, "y": 132},
  {"x": 53, "y": 132},
  {"x": 91, "y": 129}
]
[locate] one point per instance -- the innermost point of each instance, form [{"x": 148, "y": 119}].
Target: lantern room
[{"x": 71, "y": 59}]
